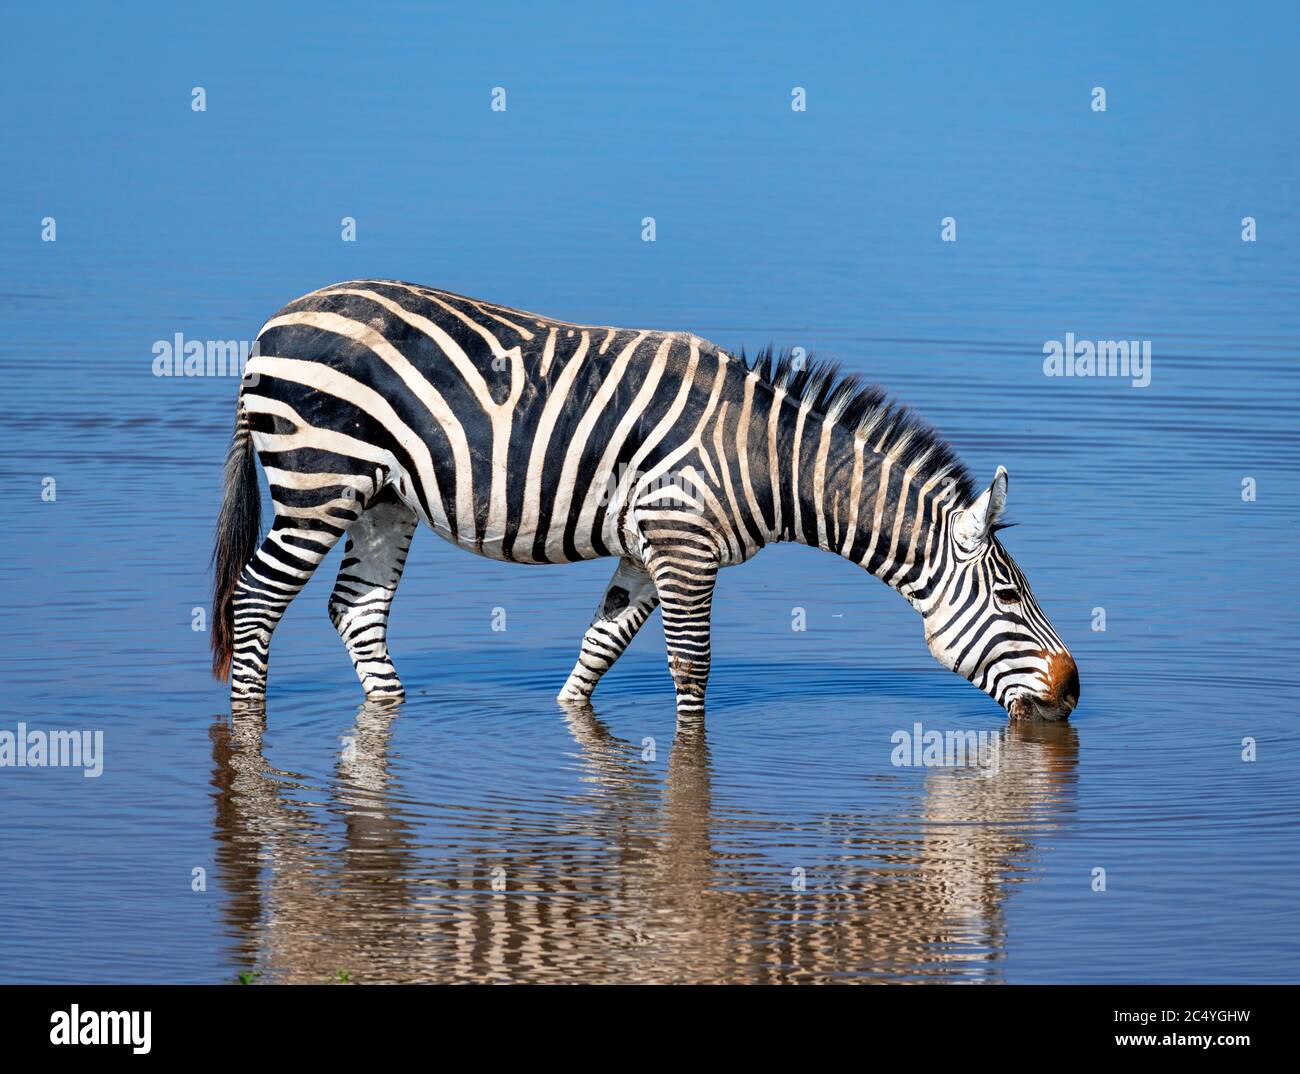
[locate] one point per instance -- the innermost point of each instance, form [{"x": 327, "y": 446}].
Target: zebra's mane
[{"x": 866, "y": 410}]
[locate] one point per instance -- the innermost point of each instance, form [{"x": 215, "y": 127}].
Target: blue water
[{"x": 373, "y": 842}]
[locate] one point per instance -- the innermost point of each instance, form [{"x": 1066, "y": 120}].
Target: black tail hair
[{"x": 239, "y": 529}]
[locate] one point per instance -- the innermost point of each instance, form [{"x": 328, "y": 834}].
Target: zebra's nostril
[
  {"x": 1062, "y": 681},
  {"x": 1070, "y": 688}
]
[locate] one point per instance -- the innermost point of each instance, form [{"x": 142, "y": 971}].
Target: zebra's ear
[{"x": 973, "y": 526}]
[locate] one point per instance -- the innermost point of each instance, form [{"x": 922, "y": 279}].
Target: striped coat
[{"x": 376, "y": 405}]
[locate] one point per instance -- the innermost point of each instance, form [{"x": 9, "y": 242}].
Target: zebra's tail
[{"x": 239, "y": 529}]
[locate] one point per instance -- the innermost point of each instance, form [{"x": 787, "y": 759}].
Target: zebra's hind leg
[
  {"x": 299, "y": 539},
  {"x": 363, "y": 593},
  {"x": 629, "y": 599}
]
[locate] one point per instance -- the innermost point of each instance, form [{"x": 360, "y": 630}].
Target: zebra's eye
[{"x": 1008, "y": 596}]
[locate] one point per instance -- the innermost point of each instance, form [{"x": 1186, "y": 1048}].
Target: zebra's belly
[
  {"x": 521, "y": 544},
  {"x": 522, "y": 549}
]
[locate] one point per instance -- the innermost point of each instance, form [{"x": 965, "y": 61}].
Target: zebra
[{"x": 375, "y": 405}]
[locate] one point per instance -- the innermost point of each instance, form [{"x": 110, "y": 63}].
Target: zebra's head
[{"x": 984, "y": 623}]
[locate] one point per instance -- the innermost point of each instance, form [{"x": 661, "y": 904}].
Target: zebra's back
[{"x": 503, "y": 430}]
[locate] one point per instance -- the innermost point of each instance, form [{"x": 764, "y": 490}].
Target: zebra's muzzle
[{"x": 1060, "y": 697}]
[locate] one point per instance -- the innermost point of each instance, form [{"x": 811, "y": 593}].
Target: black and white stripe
[{"x": 374, "y": 405}]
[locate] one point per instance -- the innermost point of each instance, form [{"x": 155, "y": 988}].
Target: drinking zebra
[{"x": 375, "y": 405}]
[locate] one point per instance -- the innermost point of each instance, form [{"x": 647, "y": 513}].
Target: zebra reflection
[{"x": 640, "y": 876}]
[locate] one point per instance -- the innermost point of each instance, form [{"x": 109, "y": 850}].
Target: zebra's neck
[{"x": 862, "y": 494}]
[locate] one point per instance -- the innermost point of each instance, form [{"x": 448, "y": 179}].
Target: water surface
[{"x": 481, "y": 833}]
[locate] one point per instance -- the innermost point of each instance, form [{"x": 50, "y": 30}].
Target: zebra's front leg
[
  {"x": 629, "y": 599},
  {"x": 684, "y": 578},
  {"x": 363, "y": 593}
]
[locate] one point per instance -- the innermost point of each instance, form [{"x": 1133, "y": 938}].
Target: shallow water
[{"x": 479, "y": 832}]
